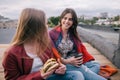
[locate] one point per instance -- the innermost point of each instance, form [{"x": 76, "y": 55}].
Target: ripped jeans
[
  {"x": 89, "y": 70},
  {"x": 69, "y": 75}
]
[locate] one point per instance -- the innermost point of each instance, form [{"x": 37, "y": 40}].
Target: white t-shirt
[{"x": 37, "y": 62}]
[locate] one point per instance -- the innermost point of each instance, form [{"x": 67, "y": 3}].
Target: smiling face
[{"x": 67, "y": 21}]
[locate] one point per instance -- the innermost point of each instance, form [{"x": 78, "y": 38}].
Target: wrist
[
  {"x": 65, "y": 61},
  {"x": 42, "y": 75}
]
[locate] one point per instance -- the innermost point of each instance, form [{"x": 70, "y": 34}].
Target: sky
[{"x": 13, "y": 8}]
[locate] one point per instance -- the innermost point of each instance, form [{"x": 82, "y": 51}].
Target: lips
[
  {"x": 49, "y": 65},
  {"x": 66, "y": 24}
]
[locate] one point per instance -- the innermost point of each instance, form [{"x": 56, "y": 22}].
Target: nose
[{"x": 67, "y": 20}]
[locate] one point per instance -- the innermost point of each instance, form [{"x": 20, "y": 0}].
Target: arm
[
  {"x": 61, "y": 69},
  {"x": 65, "y": 61},
  {"x": 13, "y": 71},
  {"x": 73, "y": 61},
  {"x": 86, "y": 55},
  {"x": 82, "y": 49}
]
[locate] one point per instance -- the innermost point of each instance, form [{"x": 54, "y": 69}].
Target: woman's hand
[
  {"x": 47, "y": 74},
  {"x": 61, "y": 69},
  {"x": 75, "y": 61}
]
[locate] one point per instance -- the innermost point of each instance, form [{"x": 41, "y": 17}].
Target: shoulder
[
  {"x": 53, "y": 30},
  {"x": 13, "y": 50},
  {"x": 11, "y": 54}
]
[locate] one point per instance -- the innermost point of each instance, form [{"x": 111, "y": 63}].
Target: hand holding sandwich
[
  {"x": 52, "y": 66},
  {"x": 47, "y": 74},
  {"x": 61, "y": 69}
]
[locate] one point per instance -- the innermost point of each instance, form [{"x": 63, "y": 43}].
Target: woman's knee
[
  {"x": 94, "y": 66},
  {"x": 92, "y": 63},
  {"x": 76, "y": 75}
]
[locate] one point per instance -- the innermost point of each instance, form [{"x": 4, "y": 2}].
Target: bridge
[{"x": 101, "y": 55}]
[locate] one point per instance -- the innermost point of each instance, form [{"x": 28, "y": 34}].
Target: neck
[
  {"x": 31, "y": 47},
  {"x": 64, "y": 31}
]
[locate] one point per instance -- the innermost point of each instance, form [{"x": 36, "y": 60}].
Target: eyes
[{"x": 69, "y": 19}]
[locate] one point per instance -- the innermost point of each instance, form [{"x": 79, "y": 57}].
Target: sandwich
[{"x": 49, "y": 65}]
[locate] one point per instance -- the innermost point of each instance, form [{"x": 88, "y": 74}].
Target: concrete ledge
[
  {"x": 98, "y": 56},
  {"x": 4, "y": 45},
  {"x": 2, "y": 49},
  {"x": 104, "y": 46},
  {"x": 102, "y": 60}
]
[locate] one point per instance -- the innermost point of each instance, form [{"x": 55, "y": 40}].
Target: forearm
[
  {"x": 65, "y": 61},
  {"x": 31, "y": 76}
]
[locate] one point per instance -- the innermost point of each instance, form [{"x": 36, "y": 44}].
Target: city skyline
[{"x": 13, "y": 8}]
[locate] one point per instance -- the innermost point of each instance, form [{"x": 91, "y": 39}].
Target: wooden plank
[{"x": 102, "y": 60}]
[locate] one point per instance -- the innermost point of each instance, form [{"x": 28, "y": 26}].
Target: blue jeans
[
  {"x": 89, "y": 70},
  {"x": 69, "y": 75}
]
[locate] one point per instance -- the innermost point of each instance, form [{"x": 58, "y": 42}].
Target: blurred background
[{"x": 98, "y": 22}]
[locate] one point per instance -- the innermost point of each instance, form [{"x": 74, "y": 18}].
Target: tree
[
  {"x": 53, "y": 20},
  {"x": 116, "y": 18}
]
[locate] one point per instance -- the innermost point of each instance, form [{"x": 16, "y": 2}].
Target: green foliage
[
  {"x": 95, "y": 18},
  {"x": 80, "y": 19},
  {"x": 116, "y": 18},
  {"x": 114, "y": 25},
  {"x": 88, "y": 21},
  {"x": 53, "y": 21},
  {"x": 50, "y": 24},
  {"x": 118, "y": 25}
]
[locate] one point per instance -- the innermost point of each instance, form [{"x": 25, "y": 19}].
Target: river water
[{"x": 6, "y": 35}]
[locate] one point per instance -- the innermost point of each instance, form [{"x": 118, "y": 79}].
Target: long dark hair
[{"x": 73, "y": 28}]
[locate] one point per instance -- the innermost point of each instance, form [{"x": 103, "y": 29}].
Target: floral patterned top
[{"x": 65, "y": 46}]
